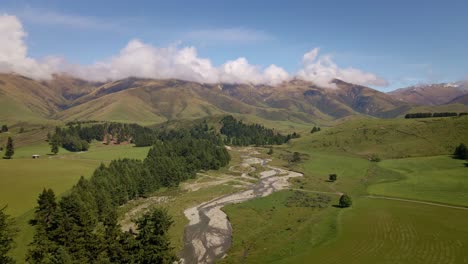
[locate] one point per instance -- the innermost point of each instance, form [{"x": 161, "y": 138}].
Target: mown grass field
[
  {"x": 438, "y": 178},
  {"x": 380, "y": 231},
  {"x": 23, "y": 178}
]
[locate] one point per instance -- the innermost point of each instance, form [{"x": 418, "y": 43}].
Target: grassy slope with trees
[{"x": 392, "y": 138}]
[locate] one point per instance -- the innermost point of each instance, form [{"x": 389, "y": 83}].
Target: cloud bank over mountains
[{"x": 139, "y": 59}]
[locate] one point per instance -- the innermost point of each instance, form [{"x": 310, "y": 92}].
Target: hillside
[
  {"x": 431, "y": 94},
  {"x": 392, "y": 138},
  {"x": 24, "y": 99}
]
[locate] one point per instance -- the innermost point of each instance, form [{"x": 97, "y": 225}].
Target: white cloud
[
  {"x": 13, "y": 52},
  {"x": 274, "y": 75},
  {"x": 142, "y": 60},
  {"x": 139, "y": 59},
  {"x": 227, "y": 35},
  {"x": 322, "y": 70}
]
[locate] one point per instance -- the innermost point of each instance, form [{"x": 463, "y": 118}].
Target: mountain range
[{"x": 155, "y": 101}]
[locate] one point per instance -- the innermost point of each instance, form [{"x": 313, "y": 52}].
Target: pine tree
[
  {"x": 7, "y": 233},
  {"x": 10, "y": 149},
  {"x": 43, "y": 249},
  {"x": 54, "y": 145},
  {"x": 152, "y": 237}
]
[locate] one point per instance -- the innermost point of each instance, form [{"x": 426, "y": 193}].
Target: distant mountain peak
[{"x": 430, "y": 94}]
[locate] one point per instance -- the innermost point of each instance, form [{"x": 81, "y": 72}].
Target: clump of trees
[
  {"x": 240, "y": 134},
  {"x": 315, "y": 129},
  {"x": 345, "y": 201},
  {"x": 7, "y": 234},
  {"x": 69, "y": 232},
  {"x": 82, "y": 227},
  {"x": 10, "y": 149},
  {"x": 76, "y": 137},
  {"x": 4, "y": 129},
  {"x": 427, "y": 115},
  {"x": 461, "y": 152},
  {"x": 332, "y": 177}
]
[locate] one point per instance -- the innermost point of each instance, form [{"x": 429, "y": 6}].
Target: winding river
[{"x": 207, "y": 237}]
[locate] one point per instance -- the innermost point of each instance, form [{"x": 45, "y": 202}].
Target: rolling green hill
[{"x": 391, "y": 138}]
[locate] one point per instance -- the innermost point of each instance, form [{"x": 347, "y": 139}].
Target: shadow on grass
[{"x": 338, "y": 206}]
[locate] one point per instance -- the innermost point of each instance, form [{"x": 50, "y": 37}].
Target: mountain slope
[
  {"x": 24, "y": 99},
  {"x": 431, "y": 94}
]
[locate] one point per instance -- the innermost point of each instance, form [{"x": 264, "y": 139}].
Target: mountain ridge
[
  {"x": 431, "y": 94},
  {"x": 153, "y": 101}
]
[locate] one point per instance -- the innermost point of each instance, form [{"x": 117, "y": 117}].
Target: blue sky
[{"x": 402, "y": 42}]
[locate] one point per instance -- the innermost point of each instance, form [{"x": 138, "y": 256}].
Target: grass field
[
  {"x": 23, "y": 178},
  {"x": 379, "y": 231},
  {"x": 438, "y": 179},
  {"x": 265, "y": 230},
  {"x": 371, "y": 231}
]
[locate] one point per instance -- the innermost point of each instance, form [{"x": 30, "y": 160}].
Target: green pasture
[
  {"x": 381, "y": 231},
  {"x": 438, "y": 179},
  {"x": 23, "y": 178},
  {"x": 372, "y": 230}
]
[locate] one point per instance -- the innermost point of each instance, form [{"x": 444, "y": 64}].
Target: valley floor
[{"x": 421, "y": 219}]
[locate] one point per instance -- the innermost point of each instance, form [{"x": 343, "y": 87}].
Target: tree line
[
  {"x": 77, "y": 137},
  {"x": 428, "y": 115},
  {"x": 239, "y": 134}
]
